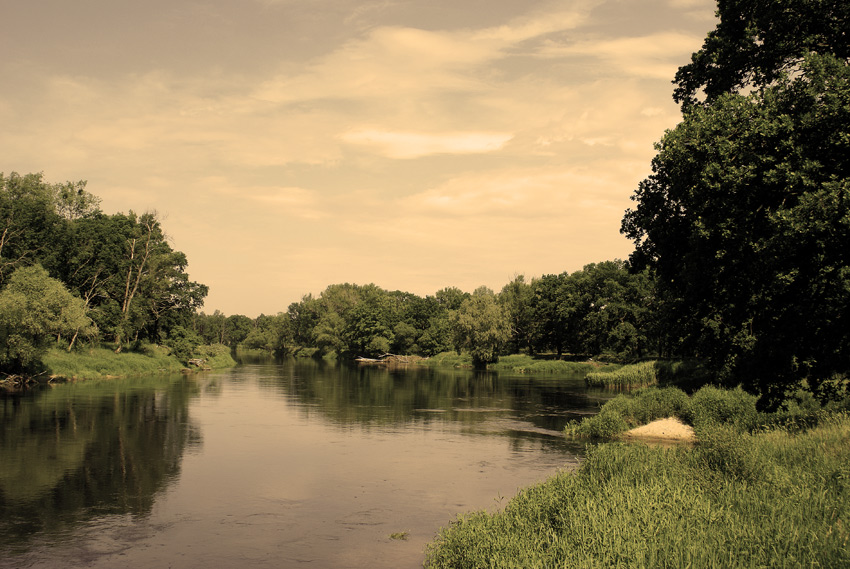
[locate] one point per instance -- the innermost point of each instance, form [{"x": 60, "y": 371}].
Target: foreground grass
[
  {"x": 99, "y": 363},
  {"x": 772, "y": 499}
]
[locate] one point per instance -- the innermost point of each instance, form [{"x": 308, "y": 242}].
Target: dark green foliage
[
  {"x": 119, "y": 268},
  {"x": 183, "y": 343},
  {"x": 601, "y": 309},
  {"x": 755, "y": 42},
  {"x": 745, "y": 222},
  {"x": 712, "y": 406}
]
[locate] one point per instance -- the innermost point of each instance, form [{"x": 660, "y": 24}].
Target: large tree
[
  {"x": 481, "y": 326},
  {"x": 754, "y": 43},
  {"x": 746, "y": 221}
]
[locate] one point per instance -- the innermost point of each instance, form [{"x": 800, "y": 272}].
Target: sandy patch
[{"x": 670, "y": 429}]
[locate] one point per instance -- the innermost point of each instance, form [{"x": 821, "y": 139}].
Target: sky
[{"x": 288, "y": 145}]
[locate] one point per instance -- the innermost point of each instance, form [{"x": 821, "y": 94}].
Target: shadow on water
[{"x": 72, "y": 453}]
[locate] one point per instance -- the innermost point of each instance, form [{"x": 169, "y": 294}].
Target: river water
[{"x": 271, "y": 465}]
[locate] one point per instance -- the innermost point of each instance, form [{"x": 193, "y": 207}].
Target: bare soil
[{"x": 670, "y": 429}]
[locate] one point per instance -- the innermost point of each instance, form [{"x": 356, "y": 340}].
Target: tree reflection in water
[{"x": 71, "y": 453}]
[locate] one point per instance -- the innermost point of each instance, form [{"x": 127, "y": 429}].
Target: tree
[
  {"x": 756, "y": 43},
  {"x": 746, "y": 220},
  {"x": 28, "y": 221},
  {"x": 35, "y": 310},
  {"x": 272, "y": 334},
  {"x": 551, "y": 310},
  {"x": 515, "y": 298},
  {"x": 481, "y": 326},
  {"x": 123, "y": 267}
]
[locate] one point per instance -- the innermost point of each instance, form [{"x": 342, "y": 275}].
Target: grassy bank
[
  {"x": 98, "y": 363},
  {"x": 634, "y": 375},
  {"x": 773, "y": 499},
  {"x": 645, "y": 374},
  {"x": 519, "y": 363}
]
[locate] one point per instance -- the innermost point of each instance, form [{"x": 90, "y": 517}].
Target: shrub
[
  {"x": 711, "y": 405},
  {"x": 215, "y": 355},
  {"x": 631, "y": 410}
]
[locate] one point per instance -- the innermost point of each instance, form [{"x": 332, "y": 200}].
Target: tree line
[{"x": 601, "y": 309}]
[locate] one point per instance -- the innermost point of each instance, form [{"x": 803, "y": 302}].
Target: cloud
[
  {"x": 404, "y": 145},
  {"x": 655, "y": 56},
  {"x": 537, "y": 24}
]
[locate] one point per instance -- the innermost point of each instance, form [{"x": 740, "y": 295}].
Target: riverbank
[
  {"x": 521, "y": 364},
  {"x": 769, "y": 490},
  {"x": 103, "y": 363}
]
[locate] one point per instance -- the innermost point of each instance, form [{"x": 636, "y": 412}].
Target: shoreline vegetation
[
  {"x": 104, "y": 363},
  {"x": 754, "y": 489}
]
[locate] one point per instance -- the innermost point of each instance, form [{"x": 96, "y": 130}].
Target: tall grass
[
  {"x": 448, "y": 359},
  {"x": 519, "y": 363},
  {"x": 523, "y": 363},
  {"x": 770, "y": 499},
  {"x": 634, "y": 375},
  {"x": 98, "y": 363}
]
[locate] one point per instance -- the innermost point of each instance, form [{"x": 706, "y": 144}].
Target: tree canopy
[
  {"x": 746, "y": 216},
  {"x": 755, "y": 43},
  {"x": 121, "y": 267}
]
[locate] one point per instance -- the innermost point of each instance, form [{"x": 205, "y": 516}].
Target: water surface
[{"x": 293, "y": 464}]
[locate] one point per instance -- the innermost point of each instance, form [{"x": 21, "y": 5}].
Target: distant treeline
[{"x": 602, "y": 309}]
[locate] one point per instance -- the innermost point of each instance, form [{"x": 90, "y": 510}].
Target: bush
[
  {"x": 449, "y": 359},
  {"x": 606, "y": 424},
  {"x": 183, "y": 343},
  {"x": 632, "y": 410},
  {"x": 711, "y": 406},
  {"x": 215, "y": 355}
]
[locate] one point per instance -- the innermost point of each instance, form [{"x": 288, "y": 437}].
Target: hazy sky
[{"x": 288, "y": 145}]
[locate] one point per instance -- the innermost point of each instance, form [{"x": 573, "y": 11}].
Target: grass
[
  {"x": 448, "y": 359},
  {"x": 518, "y": 363},
  {"x": 775, "y": 498},
  {"x": 522, "y": 363},
  {"x": 634, "y": 375},
  {"x": 627, "y": 411},
  {"x": 100, "y": 363}
]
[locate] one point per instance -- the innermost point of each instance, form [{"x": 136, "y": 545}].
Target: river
[{"x": 271, "y": 465}]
